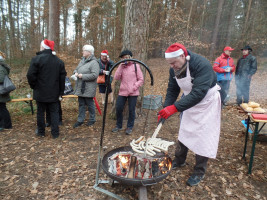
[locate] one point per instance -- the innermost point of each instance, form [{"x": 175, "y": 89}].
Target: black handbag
[{"x": 7, "y": 86}]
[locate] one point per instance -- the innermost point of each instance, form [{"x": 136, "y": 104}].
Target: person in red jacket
[{"x": 224, "y": 68}]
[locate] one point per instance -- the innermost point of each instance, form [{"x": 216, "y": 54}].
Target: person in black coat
[
  {"x": 46, "y": 76},
  {"x": 246, "y": 67}
]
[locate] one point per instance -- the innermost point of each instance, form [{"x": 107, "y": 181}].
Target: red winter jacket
[{"x": 219, "y": 66}]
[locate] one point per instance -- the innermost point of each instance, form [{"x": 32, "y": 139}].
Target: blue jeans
[
  {"x": 89, "y": 102},
  {"x": 121, "y": 100}
]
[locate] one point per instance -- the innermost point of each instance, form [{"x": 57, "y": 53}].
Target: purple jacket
[{"x": 130, "y": 80}]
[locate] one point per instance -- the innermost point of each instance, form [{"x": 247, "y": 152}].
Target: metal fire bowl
[{"x": 132, "y": 181}]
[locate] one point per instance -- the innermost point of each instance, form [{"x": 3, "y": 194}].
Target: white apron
[{"x": 200, "y": 124}]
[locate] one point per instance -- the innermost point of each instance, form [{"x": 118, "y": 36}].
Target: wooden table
[{"x": 253, "y": 120}]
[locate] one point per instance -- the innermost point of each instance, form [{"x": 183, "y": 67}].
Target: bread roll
[
  {"x": 259, "y": 109},
  {"x": 249, "y": 109},
  {"x": 253, "y": 104},
  {"x": 244, "y": 105}
]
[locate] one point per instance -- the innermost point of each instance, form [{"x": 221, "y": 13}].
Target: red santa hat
[
  {"x": 176, "y": 50},
  {"x": 104, "y": 53},
  {"x": 48, "y": 44}
]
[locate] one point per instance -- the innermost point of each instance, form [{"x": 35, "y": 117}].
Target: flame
[
  {"x": 124, "y": 161},
  {"x": 165, "y": 165}
]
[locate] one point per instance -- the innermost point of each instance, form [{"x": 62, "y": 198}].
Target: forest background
[
  {"x": 203, "y": 26},
  {"x": 34, "y": 168}
]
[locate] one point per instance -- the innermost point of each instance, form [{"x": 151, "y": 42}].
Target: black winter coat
[
  {"x": 203, "y": 78},
  {"x": 246, "y": 67},
  {"x": 46, "y": 76},
  {"x": 4, "y": 70}
]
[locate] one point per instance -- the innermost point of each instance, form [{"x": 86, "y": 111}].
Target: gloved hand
[
  {"x": 73, "y": 77},
  {"x": 228, "y": 69},
  {"x": 168, "y": 111},
  {"x": 106, "y": 72}
]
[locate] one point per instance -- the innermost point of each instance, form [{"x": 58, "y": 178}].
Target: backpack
[{"x": 68, "y": 87}]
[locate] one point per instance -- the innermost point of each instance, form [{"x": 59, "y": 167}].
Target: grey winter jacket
[
  {"x": 246, "y": 67},
  {"x": 89, "y": 68},
  {"x": 4, "y": 70}
]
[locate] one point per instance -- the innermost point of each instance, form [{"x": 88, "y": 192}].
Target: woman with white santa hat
[{"x": 200, "y": 108}]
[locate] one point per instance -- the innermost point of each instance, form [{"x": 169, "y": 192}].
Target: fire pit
[
  {"x": 123, "y": 175},
  {"x": 127, "y": 167}
]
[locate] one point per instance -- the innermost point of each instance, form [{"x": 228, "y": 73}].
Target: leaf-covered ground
[{"x": 65, "y": 168}]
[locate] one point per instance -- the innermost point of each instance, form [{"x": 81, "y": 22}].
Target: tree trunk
[
  {"x": 4, "y": 30},
  {"x": 45, "y": 31},
  {"x": 119, "y": 24},
  {"x": 18, "y": 29},
  {"x": 189, "y": 16},
  {"x": 245, "y": 28},
  {"x": 54, "y": 22},
  {"x": 32, "y": 34},
  {"x": 93, "y": 23},
  {"x": 135, "y": 36},
  {"x": 13, "y": 49},
  {"x": 231, "y": 22},
  {"x": 202, "y": 20},
  {"x": 216, "y": 29}
]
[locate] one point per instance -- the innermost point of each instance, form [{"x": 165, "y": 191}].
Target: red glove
[{"x": 168, "y": 111}]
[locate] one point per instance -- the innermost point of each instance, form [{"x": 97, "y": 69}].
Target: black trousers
[
  {"x": 121, "y": 100},
  {"x": 52, "y": 109},
  {"x": 5, "y": 119},
  {"x": 48, "y": 118},
  {"x": 201, "y": 161}
]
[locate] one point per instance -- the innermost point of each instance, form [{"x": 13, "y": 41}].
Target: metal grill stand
[{"x": 142, "y": 189}]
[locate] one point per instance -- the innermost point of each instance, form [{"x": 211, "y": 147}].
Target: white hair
[{"x": 89, "y": 48}]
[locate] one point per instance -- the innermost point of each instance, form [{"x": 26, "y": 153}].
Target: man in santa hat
[
  {"x": 105, "y": 65},
  {"x": 224, "y": 68},
  {"x": 200, "y": 108},
  {"x": 46, "y": 76}
]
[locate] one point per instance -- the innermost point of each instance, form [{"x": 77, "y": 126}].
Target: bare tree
[
  {"x": 54, "y": 22},
  {"x": 12, "y": 37},
  {"x": 216, "y": 28},
  {"x": 189, "y": 16},
  {"x": 66, "y": 4},
  {"x": 231, "y": 22},
  {"x": 32, "y": 28},
  {"x": 136, "y": 31}
]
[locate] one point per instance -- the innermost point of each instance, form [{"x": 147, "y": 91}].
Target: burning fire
[
  {"x": 165, "y": 165},
  {"x": 129, "y": 166},
  {"x": 124, "y": 161}
]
